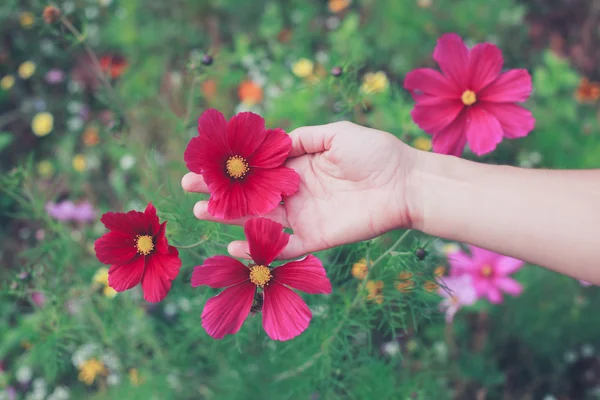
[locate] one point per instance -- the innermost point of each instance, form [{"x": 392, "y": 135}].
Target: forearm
[{"x": 548, "y": 218}]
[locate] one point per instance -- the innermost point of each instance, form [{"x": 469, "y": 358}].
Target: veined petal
[
  {"x": 285, "y": 315},
  {"x": 430, "y": 82},
  {"x": 217, "y": 180},
  {"x": 485, "y": 64},
  {"x": 266, "y": 239},
  {"x": 231, "y": 205},
  {"x": 510, "y": 87},
  {"x": 307, "y": 275},
  {"x": 212, "y": 125},
  {"x": 125, "y": 276},
  {"x": 453, "y": 57},
  {"x": 515, "y": 120},
  {"x": 160, "y": 240},
  {"x": 131, "y": 223},
  {"x": 220, "y": 271},
  {"x": 200, "y": 153},
  {"x": 245, "y": 132},
  {"x": 115, "y": 247},
  {"x": 452, "y": 139},
  {"x": 273, "y": 151},
  {"x": 484, "y": 132},
  {"x": 161, "y": 269},
  {"x": 224, "y": 314},
  {"x": 264, "y": 188},
  {"x": 434, "y": 118}
]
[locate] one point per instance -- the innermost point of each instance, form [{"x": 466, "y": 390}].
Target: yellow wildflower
[
  {"x": 45, "y": 168},
  {"x": 374, "y": 82},
  {"x": 303, "y": 68},
  {"x": 90, "y": 369},
  {"x": 360, "y": 269},
  {"x": 101, "y": 276},
  {"x": 406, "y": 284},
  {"x": 438, "y": 272},
  {"x": 79, "y": 163},
  {"x": 335, "y": 6},
  {"x": 422, "y": 143},
  {"x": 424, "y": 3},
  {"x": 430, "y": 286},
  {"x": 26, "y": 69},
  {"x": 134, "y": 377},
  {"x": 7, "y": 82},
  {"x": 109, "y": 292},
  {"x": 42, "y": 123},
  {"x": 450, "y": 248},
  {"x": 26, "y": 19},
  {"x": 375, "y": 289}
]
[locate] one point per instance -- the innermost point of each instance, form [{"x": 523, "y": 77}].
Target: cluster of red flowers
[{"x": 243, "y": 165}]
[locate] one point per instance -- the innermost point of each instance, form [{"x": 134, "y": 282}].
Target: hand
[{"x": 353, "y": 184}]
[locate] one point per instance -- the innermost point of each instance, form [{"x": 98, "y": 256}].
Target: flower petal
[
  {"x": 510, "y": 286},
  {"x": 212, "y": 125},
  {"x": 200, "y": 153},
  {"x": 515, "y": 120},
  {"x": 453, "y": 57},
  {"x": 452, "y": 139},
  {"x": 430, "y": 82},
  {"x": 131, "y": 223},
  {"x": 115, "y": 248},
  {"x": 485, "y": 64},
  {"x": 264, "y": 188},
  {"x": 507, "y": 265},
  {"x": 483, "y": 256},
  {"x": 160, "y": 241},
  {"x": 217, "y": 180},
  {"x": 284, "y": 314},
  {"x": 125, "y": 276},
  {"x": 152, "y": 219},
  {"x": 484, "y": 132},
  {"x": 266, "y": 239},
  {"x": 273, "y": 151},
  {"x": 245, "y": 132},
  {"x": 224, "y": 314},
  {"x": 511, "y": 86},
  {"x": 460, "y": 262},
  {"x": 307, "y": 275},
  {"x": 493, "y": 294},
  {"x": 231, "y": 205},
  {"x": 220, "y": 271},
  {"x": 434, "y": 118},
  {"x": 161, "y": 269}
]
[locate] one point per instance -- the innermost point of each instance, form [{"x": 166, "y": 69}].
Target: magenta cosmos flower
[
  {"x": 472, "y": 101},
  {"x": 259, "y": 287},
  {"x": 242, "y": 164},
  {"x": 138, "y": 251},
  {"x": 489, "y": 272},
  {"x": 458, "y": 291}
]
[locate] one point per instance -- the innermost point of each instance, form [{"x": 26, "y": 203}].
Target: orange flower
[
  {"x": 375, "y": 289},
  {"x": 587, "y": 92},
  {"x": 90, "y": 136},
  {"x": 336, "y": 6},
  {"x": 209, "y": 88},
  {"x": 438, "y": 272},
  {"x": 360, "y": 269},
  {"x": 250, "y": 93},
  {"x": 430, "y": 286},
  {"x": 113, "y": 65},
  {"x": 51, "y": 14},
  {"x": 406, "y": 284}
]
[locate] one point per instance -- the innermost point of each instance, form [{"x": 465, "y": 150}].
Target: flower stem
[{"x": 190, "y": 246}]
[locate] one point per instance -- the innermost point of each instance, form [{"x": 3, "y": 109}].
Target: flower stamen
[
  {"x": 144, "y": 244},
  {"x": 260, "y": 275},
  {"x": 486, "y": 270},
  {"x": 468, "y": 97},
  {"x": 236, "y": 167}
]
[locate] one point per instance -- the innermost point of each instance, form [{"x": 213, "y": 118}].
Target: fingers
[
  {"x": 313, "y": 139},
  {"x": 294, "y": 249},
  {"x": 201, "y": 212},
  {"x": 192, "y": 182}
]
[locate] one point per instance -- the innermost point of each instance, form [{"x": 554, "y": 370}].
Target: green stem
[{"x": 190, "y": 246}]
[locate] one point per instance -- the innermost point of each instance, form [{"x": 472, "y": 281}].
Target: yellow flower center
[
  {"x": 90, "y": 370},
  {"x": 468, "y": 97},
  {"x": 260, "y": 275},
  {"x": 144, "y": 244},
  {"x": 237, "y": 167},
  {"x": 486, "y": 270}
]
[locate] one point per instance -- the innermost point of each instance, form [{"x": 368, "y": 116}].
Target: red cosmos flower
[
  {"x": 472, "y": 101},
  {"x": 242, "y": 164},
  {"x": 258, "y": 287},
  {"x": 138, "y": 251},
  {"x": 113, "y": 65}
]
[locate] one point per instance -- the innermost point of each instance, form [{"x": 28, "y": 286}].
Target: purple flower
[
  {"x": 69, "y": 211},
  {"x": 54, "y": 76},
  {"x": 38, "y": 298}
]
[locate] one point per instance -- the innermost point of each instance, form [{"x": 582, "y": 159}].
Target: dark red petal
[
  {"x": 131, "y": 223},
  {"x": 273, "y": 151},
  {"x": 160, "y": 241},
  {"x": 483, "y": 130},
  {"x": 161, "y": 269},
  {"x": 231, "y": 205},
  {"x": 516, "y": 121},
  {"x": 485, "y": 64},
  {"x": 453, "y": 57},
  {"x": 307, "y": 275},
  {"x": 430, "y": 82},
  {"x": 115, "y": 248},
  {"x": 245, "y": 132},
  {"x": 220, "y": 271},
  {"x": 217, "y": 180},
  {"x": 193, "y": 155},
  {"x": 212, "y": 125},
  {"x": 436, "y": 117},
  {"x": 266, "y": 239},
  {"x": 125, "y": 276},
  {"x": 452, "y": 139},
  {"x": 264, "y": 188},
  {"x": 510, "y": 87},
  {"x": 284, "y": 314},
  {"x": 152, "y": 219},
  {"x": 224, "y": 314}
]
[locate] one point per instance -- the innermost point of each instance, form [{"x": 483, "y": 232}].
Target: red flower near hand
[
  {"x": 242, "y": 164},
  {"x": 472, "y": 101},
  {"x": 284, "y": 314},
  {"x": 138, "y": 251}
]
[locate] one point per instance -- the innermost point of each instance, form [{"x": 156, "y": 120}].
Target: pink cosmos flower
[
  {"x": 458, "y": 291},
  {"x": 242, "y": 164},
  {"x": 259, "y": 287},
  {"x": 489, "y": 272},
  {"x": 472, "y": 101}
]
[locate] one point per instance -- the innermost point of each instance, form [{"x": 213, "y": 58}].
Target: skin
[{"x": 358, "y": 183}]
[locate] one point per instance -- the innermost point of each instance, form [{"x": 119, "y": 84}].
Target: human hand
[{"x": 353, "y": 187}]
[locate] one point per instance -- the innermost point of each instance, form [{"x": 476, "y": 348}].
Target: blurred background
[{"x": 98, "y": 99}]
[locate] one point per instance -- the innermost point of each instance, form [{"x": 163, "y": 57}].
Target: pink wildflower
[{"x": 458, "y": 291}]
